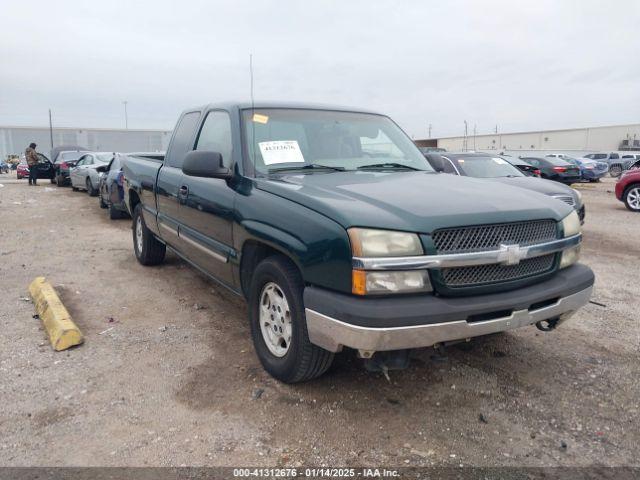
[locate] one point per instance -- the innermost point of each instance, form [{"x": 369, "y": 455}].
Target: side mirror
[
  {"x": 203, "y": 163},
  {"x": 436, "y": 162}
]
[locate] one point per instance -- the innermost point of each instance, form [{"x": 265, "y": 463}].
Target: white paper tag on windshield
[{"x": 282, "y": 151}]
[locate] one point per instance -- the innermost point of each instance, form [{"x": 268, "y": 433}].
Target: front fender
[{"x": 318, "y": 245}]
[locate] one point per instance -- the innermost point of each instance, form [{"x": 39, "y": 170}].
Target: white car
[{"x": 84, "y": 175}]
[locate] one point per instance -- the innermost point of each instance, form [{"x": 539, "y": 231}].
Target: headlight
[
  {"x": 381, "y": 282},
  {"x": 571, "y": 224},
  {"x": 571, "y": 227},
  {"x": 366, "y": 242}
]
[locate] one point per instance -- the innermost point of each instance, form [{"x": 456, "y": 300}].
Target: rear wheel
[
  {"x": 278, "y": 324},
  {"x": 632, "y": 197},
  {"x": 114, "y": 213},
  {"x": 102, "y": 203},
  {"x": 148, "y": 249}
]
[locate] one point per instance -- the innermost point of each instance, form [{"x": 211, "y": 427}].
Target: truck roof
[{"x": 244, "y": 105}]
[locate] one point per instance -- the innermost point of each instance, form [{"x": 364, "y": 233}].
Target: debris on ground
[
  {"x": 257, "y": 393},
  {"x": 482, "y": 418}
]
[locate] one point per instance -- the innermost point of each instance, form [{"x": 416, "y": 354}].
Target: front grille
[
  {"x": 483, "y": 274},
  {"x": 566, "y": 199},
  {"x": 491, "y": 237}
]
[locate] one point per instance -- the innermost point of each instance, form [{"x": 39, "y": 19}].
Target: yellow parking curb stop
[{"x": 63, "y": 333}]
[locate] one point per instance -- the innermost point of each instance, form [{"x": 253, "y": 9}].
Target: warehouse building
[
  {"x": 578, "y": 141},
  {"x": 14, "y": 140}
]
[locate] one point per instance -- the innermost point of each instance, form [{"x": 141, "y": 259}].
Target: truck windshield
[
  {"x": 327, "y": 141},
  {"x": 484, "y": 167}
]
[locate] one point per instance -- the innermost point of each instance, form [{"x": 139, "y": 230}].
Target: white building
[
  {"x": 576, "y": 140},
  {"x": 14, "y": 140}
]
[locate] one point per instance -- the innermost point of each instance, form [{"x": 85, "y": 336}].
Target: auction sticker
[{"x": 281, "y": 151}]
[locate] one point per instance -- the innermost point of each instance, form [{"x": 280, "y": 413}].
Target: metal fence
[{"x": 14, "y": 140}]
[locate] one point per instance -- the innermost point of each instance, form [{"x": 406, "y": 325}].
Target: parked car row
[
  {"x": 97, "y": 173},
  {"x": 498, "y": 169}
]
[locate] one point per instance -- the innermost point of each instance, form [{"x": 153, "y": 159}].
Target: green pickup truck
[{"x": 338, "y": 233}]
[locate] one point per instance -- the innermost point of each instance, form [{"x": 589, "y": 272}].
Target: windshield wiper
[
  {"x": 307, "y": 166},
  {"x": 387, "y": 166}
]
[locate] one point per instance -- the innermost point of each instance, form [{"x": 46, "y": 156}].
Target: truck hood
[
  {"x": 540, "y": 185},
  {"x": 412, "y": 201}
]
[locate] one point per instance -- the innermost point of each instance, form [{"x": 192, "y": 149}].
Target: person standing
[{"x": 32, "y": 160}]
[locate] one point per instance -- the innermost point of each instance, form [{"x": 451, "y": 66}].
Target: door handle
[{"x": 184, "y": 191}]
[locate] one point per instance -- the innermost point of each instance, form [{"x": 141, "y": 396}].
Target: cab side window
[
  {"x": 182, "y": 138},
  {"x": 215, "y": 136}
]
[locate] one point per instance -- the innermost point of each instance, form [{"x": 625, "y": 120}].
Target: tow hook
[
  {"x": 547, "y": 325},
  {"x": 387, "y": 361}
]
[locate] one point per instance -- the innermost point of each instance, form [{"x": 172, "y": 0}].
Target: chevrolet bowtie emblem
[{"x": 510, "y": 254}]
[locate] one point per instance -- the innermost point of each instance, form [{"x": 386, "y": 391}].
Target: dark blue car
[
  {"x": 110, "y": 186},
  {"x": 590, "y": 170}
]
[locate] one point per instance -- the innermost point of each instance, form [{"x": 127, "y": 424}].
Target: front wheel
[
  {"x": 278, "y": 324},
  {"x": 148, "y": 249},
  {"x": 615, "y": 171},
  {"x": 90, "y": 188},
  {"x": 632, "y": 198}
]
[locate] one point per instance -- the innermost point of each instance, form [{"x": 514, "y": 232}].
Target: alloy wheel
[{"x": 275, "y": 319}]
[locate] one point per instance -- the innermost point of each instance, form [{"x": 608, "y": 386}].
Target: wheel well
[
  {"x": 253, "y": 253},
  {"x": 133, "y": 200},
  {"x": 629, "y": 187}
]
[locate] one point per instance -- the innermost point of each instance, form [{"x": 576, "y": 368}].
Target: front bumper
[{"x": 376, "y": 324}]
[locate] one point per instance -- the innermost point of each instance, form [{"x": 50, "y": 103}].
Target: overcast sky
[{"x": 517, "y": 64}]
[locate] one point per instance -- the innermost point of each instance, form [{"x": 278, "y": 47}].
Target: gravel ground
[{"x": 167, "y": 375}]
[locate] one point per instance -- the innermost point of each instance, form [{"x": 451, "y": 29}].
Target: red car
[
  {"x": 628, "y": 189},
  {"x": 22, "y": 171}
]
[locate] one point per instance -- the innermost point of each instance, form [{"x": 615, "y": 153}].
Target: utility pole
[
  {"x": 466, "y": 132},
  {"x": 496, "y": 129},
  {"x": 474, "y": 136},
  {"x": 429, "y": 130},
  {"x": 126, "y": 118},
  {"x": 50, "y": 129}
]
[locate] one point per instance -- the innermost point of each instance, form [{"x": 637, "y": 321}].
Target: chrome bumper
[{"x": 332, "y": 334}]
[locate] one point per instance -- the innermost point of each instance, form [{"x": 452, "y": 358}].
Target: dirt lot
[{"x": 168, "y": 376}]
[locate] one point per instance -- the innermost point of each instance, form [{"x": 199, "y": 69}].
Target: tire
[
  {"x": 59, "y": 181},
  {"x": 101, "y": 201},
  {"x": 52, "y": 180},
  {"x": 631, "y": 197},
  {"x": 148, "y": 249},
  {"x": 301, "y": 360},
  {"x": 75, "y": 189},
  {"x": 114, "y": 213},
  {"x": 91, "y": 191},
  {"x": 19, "y": 177},
  {"x": 615, "y": 170}
]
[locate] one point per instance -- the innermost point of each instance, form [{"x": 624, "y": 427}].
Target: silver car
[{"x": 84, "y": 176}]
